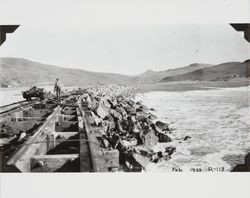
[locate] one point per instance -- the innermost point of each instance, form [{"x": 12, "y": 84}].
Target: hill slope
[
  {"x": 22, "y": 72},
  {"x": 225, "y": 71},
  {"x": 153, "y": 77}
]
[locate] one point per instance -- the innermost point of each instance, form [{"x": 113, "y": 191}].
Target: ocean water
[
  {"x": 217, "y": 120},
  {"x": 8, "y": 95}
]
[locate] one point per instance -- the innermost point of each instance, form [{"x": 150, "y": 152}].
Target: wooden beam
[
  {"x": 102, "y": 160},
  {"x": 85, "y": 158},
  {"x": 20, "y": 119},
  {"x": 50, "y": 163},
  {"x": 22, "y": 126},
  {"x": 66, "y": 126},
  {"x": 37, "y": 112},
  {"x": 35, "y": 145}
]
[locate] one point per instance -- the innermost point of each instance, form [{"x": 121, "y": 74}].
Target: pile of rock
[{"x": 126, "y": 125}]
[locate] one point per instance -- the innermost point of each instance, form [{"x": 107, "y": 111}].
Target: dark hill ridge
[
  {"x": 155, "y": 76},
  {"x": 224, "y": 71},
  {"x": 22, "y": 72}
]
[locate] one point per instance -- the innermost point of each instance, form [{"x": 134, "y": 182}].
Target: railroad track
[
  {"x": 14, "y": 106},
  {"x": 63, "y": 142}
]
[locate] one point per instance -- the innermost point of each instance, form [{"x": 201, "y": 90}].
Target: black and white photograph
[
  {"x": 126, "y": 98},
  {"x": 83, "y": 92}
]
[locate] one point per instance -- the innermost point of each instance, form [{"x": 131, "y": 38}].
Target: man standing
[{"x": 57, "y": 89}]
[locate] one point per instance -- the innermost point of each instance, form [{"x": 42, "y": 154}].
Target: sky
[
  {"x": 113, "y": 37},
  {"x": 126, "y": 49}
]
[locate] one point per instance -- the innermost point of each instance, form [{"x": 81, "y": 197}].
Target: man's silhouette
[{"x": 57, "y": 89}]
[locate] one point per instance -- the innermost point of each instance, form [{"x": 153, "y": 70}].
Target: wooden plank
[
  {"x": 16, "y": 112},
  {"x": 93, "y": 144},
  {"x": 35, "y": 145},
  {"x": 20, "y": 119},
  {"x": 85, "y": 158},
  {"x": 22, "y": 126},
  {"x": 66, "y": 126},
  {"x": 13, "y": 107},
  {"x": 37, "y": 112},
  {"x": 50, "y": 163},
  {"x": 102, "y": 160}
]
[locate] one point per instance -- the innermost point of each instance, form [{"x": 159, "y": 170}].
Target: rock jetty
[{"x": 127, "y": 125}]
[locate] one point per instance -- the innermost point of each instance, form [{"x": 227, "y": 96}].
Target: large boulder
[
  {"x": 142, "y": 160},
  {"x": 150, "y": 139},
  {"x": 163, "y": 126},
  {"x": 102, "y": 112},
  {"x": 163, "y": 137},
  {"x": 115, "y": 114}
]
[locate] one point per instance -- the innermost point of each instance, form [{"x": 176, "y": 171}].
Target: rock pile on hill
[{"x": 126, "y": 125}]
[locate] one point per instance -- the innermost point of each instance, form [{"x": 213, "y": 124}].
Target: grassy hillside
[
  {"x": 16, "y": 72},
  {"x": 153, "y": 77},
  {"x": 22, "y": 72},
  {"x": 221, "y": 72}
]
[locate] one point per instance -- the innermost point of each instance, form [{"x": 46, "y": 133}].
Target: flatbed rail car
[{"x": 64, "y": 141}]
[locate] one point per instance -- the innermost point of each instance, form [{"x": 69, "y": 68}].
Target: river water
[{"x": 217, "y": 120}]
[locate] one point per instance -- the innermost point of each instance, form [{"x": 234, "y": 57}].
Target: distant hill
[
  {"x": 22, "y": 72},
  {"x": 225, "y": 72},
  {"x": 152, "y": 77},
  {"x": 16, "y": 72}
]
